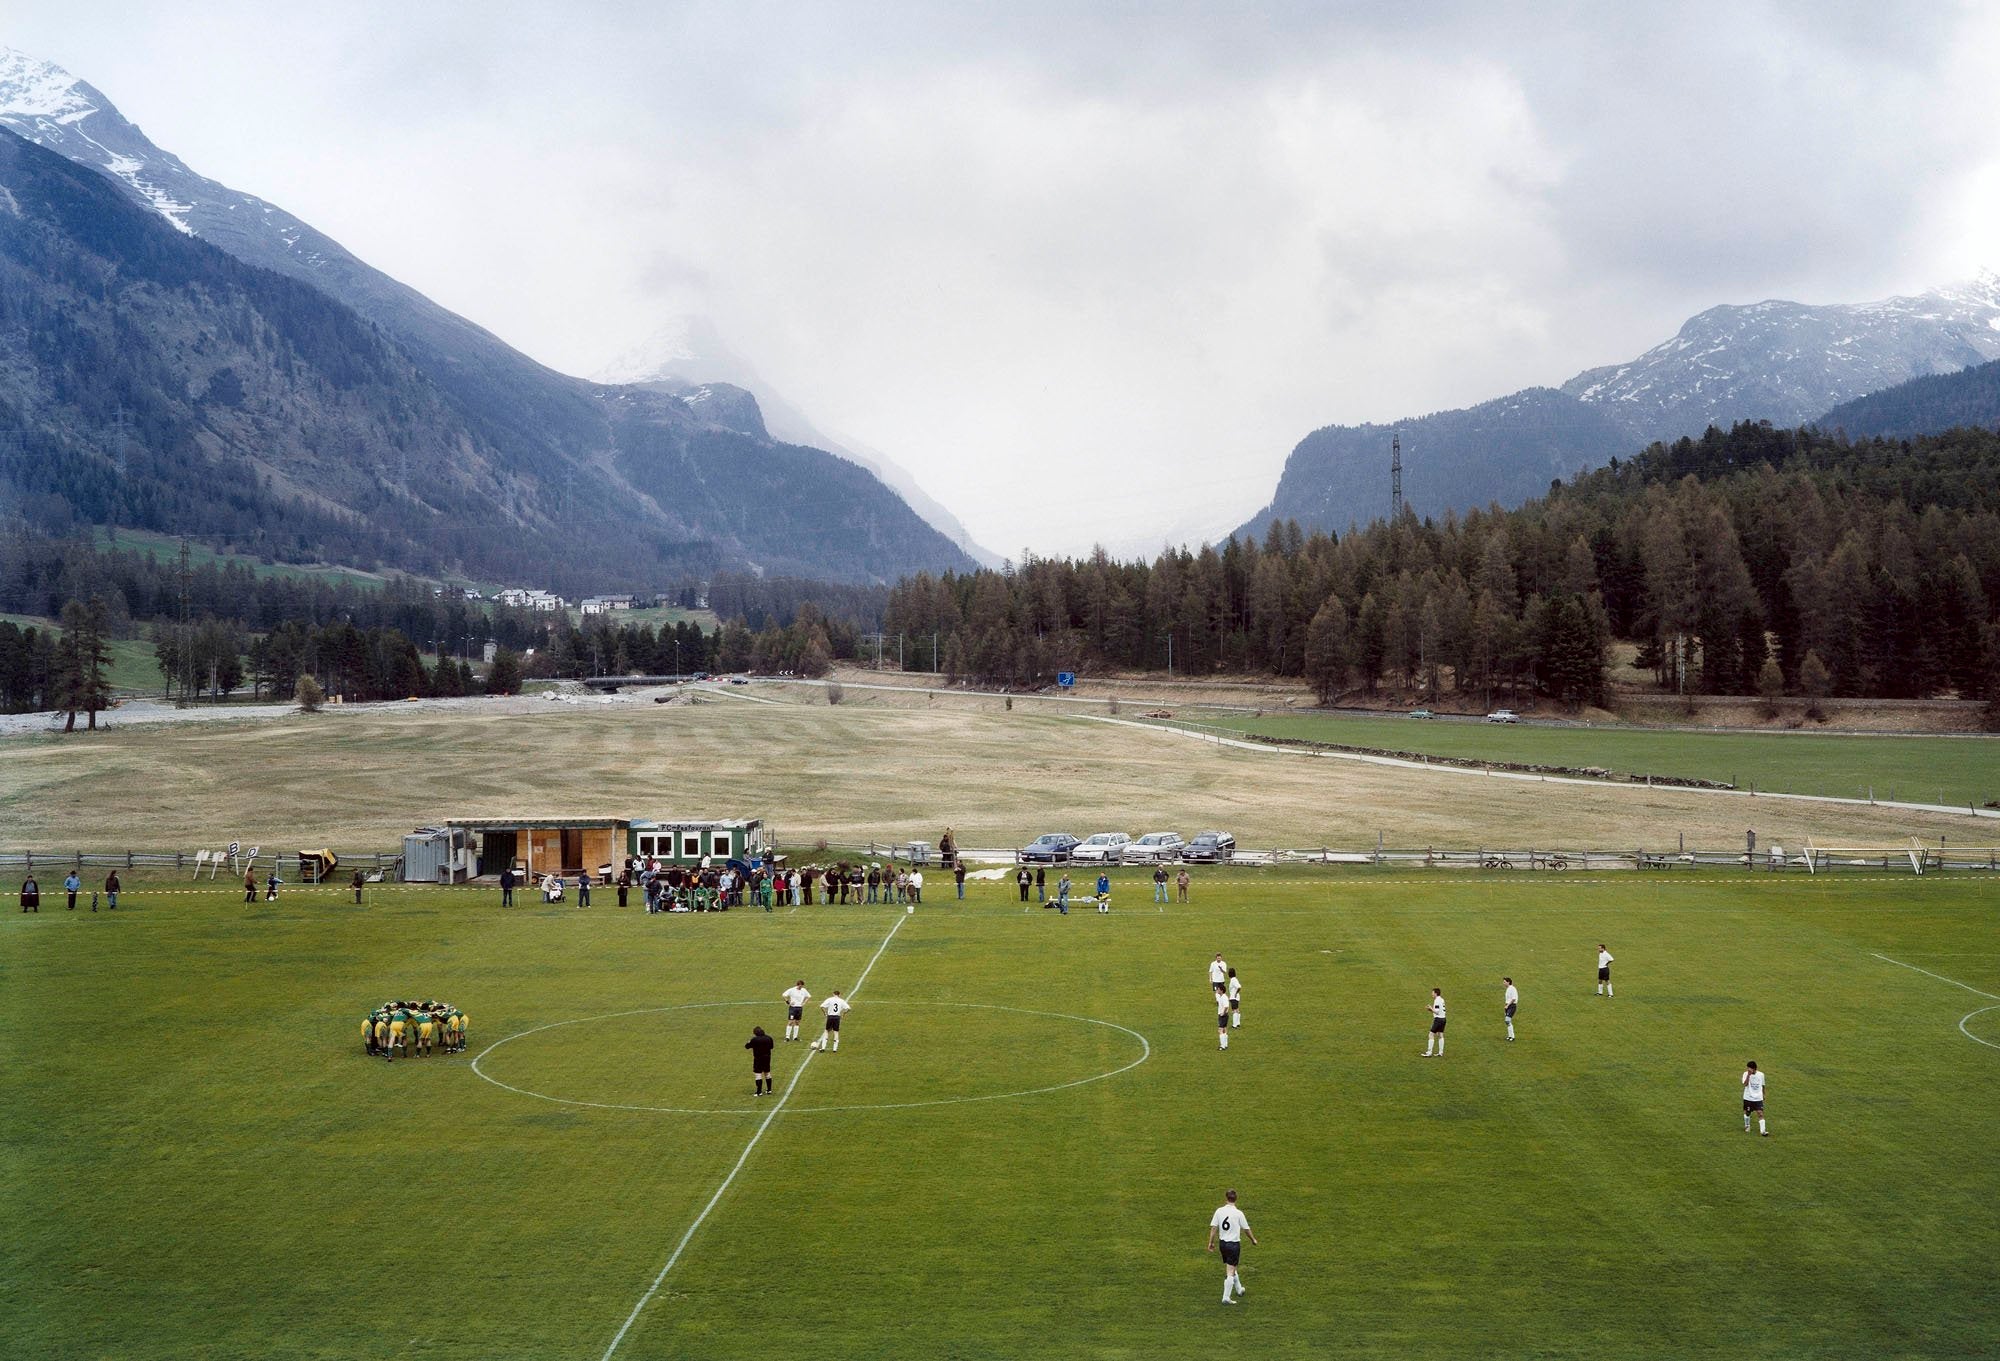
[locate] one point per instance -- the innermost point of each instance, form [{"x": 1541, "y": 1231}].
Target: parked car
[
  {"x": 1422, "y": 713},
  {"x": 1102, "y": 847},
  {"x": 1209, "y": 847},
  {"x": 739, "y": 680},
  {"x": 1051, "y": 848},
  {"x": 1152, "y": 848},
  {"x": 1503, "y": 716}
]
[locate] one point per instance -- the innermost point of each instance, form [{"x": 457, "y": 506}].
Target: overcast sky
[{"x": 1090, "y": 271}]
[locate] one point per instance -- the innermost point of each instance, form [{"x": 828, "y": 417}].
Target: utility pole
[
  {"x": 1170, "y": 656},
  {"x": 1395, "y": 478},
  {"x": 187, "y": 639}
]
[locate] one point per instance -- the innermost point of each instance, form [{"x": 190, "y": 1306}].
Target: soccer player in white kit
[
  {"x": 1222, "y": 1017},
  {"x": 796, "y": 998},
  {"x": 1508, "y": 1001},
  {"x": 1753, "y": 1098},
  {"x": 835, "y": 1007},
  {"x": 1235, "y": 1001},
  {"x": 1603, "y": 971},
  {"x": 1218, "y": 974},
  {"x": 1437, "y": 1024},
  {"x": 1227, "y": 1226}
]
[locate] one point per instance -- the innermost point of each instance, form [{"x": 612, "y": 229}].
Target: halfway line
[{"x": 688, "y": 1237}]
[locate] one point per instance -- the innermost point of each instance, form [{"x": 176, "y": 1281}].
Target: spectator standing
[
  {"x": 356, "y": 885},
  {"x": 70, "y": 886},
  {"x": 250, "y": 885},
  {"x": 1024, "y": 879},
  {"x": 31, "y": 895},
  {"x": 916, "y": 886},
  {"x": 583, "y": 888},
  {"x": 874, "y": 883},
  {"x": 1159, "y": 883},
  {"x": 111, "y": 887},
  {"x": 507, "y": 886},
  {"x": 1062, "y": 894},
  {"x": 1183, "y": 882},
  {"x": 958, "y": 876},
  {"x": 1041, "y": 882}
]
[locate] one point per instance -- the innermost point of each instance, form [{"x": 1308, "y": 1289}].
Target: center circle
[
  {"x": 623, "y": 1057},
  {"x": 1963, "y": 1024}
]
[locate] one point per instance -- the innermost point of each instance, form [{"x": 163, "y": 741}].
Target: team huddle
[{"x": 431, "y": 1025}]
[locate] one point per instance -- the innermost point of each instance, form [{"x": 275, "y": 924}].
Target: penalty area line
[
  {"x": 748, "y": 1148},
  {"x": 1977, "y": 992}
]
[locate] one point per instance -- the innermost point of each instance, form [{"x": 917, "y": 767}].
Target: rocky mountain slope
[
  {"x": 576, "y": 482},
  {"x": 1778, "y": 361}
]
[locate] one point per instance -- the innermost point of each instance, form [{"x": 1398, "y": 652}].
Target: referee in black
[{"x": 760, "y": 1046}]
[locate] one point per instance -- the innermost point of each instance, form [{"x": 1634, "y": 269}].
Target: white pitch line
[
  {"x": 1977, "y": 992},
  {"x": 727, "y": 1181},
  {"x": 1938, "y": 976}
]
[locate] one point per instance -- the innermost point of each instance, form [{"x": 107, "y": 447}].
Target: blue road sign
[{"x": 1065, "y": 679}]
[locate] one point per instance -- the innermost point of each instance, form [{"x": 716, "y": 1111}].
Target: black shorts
[
  {"x": 1753, "y": 1107},
  {"x": 1604, "y": 975},
  {"x": 1510, "y": 1009},
  {"x": 1236, "y": 1004},
  {"x": 794, "y": 1013},
  {"x": 833, "y": 1023},
  {"x": 1222, "y": 1019},
  {"x": 1232, "y": 1253},
  {"x": 1437, "y": 1025}
]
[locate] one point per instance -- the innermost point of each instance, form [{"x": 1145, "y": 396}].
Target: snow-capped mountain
[
  {"x": 678, "y": 487},
  {"x": 1787, "y": 362},
  {"x": 688, "y": 354},
  {"x": 1784, "y": 362},
  {"x": 46, "y": 104}
]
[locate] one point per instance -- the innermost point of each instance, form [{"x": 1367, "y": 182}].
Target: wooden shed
[{"x": 537, "y": 846}]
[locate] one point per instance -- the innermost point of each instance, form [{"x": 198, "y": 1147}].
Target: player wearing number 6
[{"x": 1227, "y": 1226}]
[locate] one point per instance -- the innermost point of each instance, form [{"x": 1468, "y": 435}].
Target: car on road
[
  {"x": 1101, "y": 847},
  {"x": 739, "y": 680},
  {"x": 1209, "y": 848},
  {"x": 1422, "y": 713},
  {"x": 1503, "y": 716},
  {"x": 1152, "y": 848},
  {"x": 1051, "y": 848}
]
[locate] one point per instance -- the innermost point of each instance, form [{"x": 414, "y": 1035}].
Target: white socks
[
  {"x": 1236, "y": 1020},
  {"x": 1223, "y": 1035},
  {"x": 1510, "y": 1030}
]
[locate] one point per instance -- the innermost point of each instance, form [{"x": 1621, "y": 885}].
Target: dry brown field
[{"x": 886, "y": 768}]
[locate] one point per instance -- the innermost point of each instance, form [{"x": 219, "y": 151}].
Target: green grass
[
  {"x": 167, "y": 548},
  {"x": 200, "y": 1161},
  {"x": 132, "y": 663},
  {"x": 1951, "y": 770}
]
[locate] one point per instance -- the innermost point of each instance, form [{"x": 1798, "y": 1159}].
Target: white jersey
[
  {"x": 1229, "y": 1224},
  {"x": 1513, "y": 996},
  {"x": 835, "y": 1006},
  {"x": 1603, "y": 959},
  {"x": 1753, "y": 1086},
  {"x": 797, "y": 996},
  {"x": 1437, "y": 1008},
  {"x": 1235, "y": 989},
  {"x": 1218, "y": 973}
]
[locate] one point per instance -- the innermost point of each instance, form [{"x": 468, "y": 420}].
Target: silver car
[
  {"x": 1152, "y": 848},
  {"x": 1101, "y": 847}
]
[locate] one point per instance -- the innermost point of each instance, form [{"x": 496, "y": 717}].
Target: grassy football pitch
[{"x": 1016, "y": 1151}]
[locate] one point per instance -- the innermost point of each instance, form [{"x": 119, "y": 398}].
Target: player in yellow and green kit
[{"x": 426, "y": 1029}]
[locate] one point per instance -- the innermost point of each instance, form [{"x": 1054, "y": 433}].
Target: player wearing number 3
[{"x": 1228, "y": 1227}]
